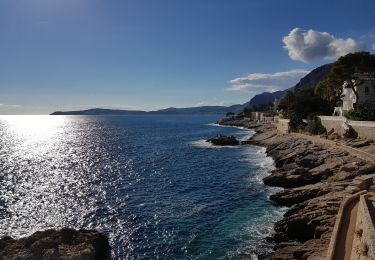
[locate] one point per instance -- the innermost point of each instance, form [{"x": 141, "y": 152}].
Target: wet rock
[{"x": 223, "y": 140}]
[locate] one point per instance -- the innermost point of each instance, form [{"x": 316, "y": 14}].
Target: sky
[{"x": 152, "y": 54}]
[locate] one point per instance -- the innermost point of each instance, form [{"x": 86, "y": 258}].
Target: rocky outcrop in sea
[{"x": 223, "y": 140}]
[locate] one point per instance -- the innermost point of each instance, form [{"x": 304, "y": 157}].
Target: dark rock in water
[
  {"x": 223, "y": 140},
  {"x": 67, "y": 244}
]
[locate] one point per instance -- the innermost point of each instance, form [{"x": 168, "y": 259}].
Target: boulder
[{"x": 223, "y": 140}]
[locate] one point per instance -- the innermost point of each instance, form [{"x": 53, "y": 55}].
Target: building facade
[{"x": 364, "y": 91}]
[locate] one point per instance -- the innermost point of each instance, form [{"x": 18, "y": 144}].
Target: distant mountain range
[
  {"x": 309, "y": 81},
  {"x": 167, "y": 111}
]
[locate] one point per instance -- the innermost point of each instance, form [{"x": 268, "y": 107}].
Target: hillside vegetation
[{"x": 321, "y": 98}]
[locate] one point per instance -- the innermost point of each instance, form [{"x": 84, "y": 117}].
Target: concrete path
[
  {"x": 345, "y": 235},
  {"x": 360, "y": 153}
]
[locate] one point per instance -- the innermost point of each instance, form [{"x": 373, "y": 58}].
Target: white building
[
  {"x": 365, "y": 88},
  {"x": 257, "y": 116},
  {"x": 364, "y": 91}
]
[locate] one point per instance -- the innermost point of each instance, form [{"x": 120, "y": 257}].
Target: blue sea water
[{"x": 150, "y": 182}]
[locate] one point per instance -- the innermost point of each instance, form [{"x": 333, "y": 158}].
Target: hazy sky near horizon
[{"x": 148, "y": 54}]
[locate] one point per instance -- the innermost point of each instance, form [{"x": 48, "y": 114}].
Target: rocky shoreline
[
  {"x": 67, "y": 244},
  {"x": 315, "y": 178}
]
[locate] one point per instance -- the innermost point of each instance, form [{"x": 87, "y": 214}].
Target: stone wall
[
  {"x": 364, "y": 129},
  {"x": 283, "y": 126},
  {"x": 338, "y": 224},
  {"x": 268, "y": 119},
  {"x": 333, "y": 122},
  {"x": 363, "y": 247}
]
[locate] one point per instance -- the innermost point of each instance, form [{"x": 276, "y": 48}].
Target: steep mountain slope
[
  {"x": 264, "y": 98},
  {"x": 314, "y": 77},
  {"x": 309, "y": 81}
]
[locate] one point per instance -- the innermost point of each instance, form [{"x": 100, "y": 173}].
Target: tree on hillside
[
  {"x": 302, "y": 103},
  {"x": 344, "y": 69},
  {"x": 230, "y": 114}
]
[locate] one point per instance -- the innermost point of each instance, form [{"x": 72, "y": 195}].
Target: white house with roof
[
  {"x": 363, "y": 91},
  {"x": 365, "y": 88}
]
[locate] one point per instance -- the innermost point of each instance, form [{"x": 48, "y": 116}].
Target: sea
[{"x": 151, "y": 183}]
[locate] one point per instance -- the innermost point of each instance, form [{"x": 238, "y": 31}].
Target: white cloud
[
  {"x": 4, "y": 105},
  {"x": 270, "y": 82},
  {"x": 373, "y": 46},
  {"x": 310, "y": 45}
]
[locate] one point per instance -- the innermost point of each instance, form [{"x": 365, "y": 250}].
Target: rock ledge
[{"x": 64, "y": 244}]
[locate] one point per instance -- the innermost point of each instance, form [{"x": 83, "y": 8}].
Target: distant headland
[{"x": 168, "y": 111}]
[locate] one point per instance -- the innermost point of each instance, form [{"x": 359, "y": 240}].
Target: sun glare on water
[
  {"x": 35, "y": 126},
  {"x": 41, "y": 174}
]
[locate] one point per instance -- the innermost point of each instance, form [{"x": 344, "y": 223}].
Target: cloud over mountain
[
  {"x": 270, "y": 82},
  {"x": 310, "y": 45}
]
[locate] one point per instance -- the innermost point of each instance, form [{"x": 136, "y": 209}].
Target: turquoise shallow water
[{"x": 150, "y": 182}]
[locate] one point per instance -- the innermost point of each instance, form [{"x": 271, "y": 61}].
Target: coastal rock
[
  {"x": 289, "y": 197},
  {"x": 223, "y": 140},
  {"x": 67, "y": 244},
  {"x": 317, "y": 178},
  {"x": 358, "y": 143},
  {"x": 289, "y": 179}
]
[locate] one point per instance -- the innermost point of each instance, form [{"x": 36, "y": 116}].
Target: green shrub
[
  {"x": 363, "y": 112},
  {"x": 228, "y": 114},
  {"x": 303, "y": 103},
  {"x": 314, "y": 125},
  {"x": 296, "y": 124}
]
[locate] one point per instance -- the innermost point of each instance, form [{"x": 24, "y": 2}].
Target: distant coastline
[{"x": 204, "y": 110}]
